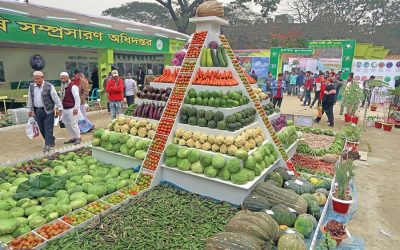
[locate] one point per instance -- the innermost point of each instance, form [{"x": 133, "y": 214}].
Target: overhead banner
[
  {"x": 385, "y": 70},
  {"x": 25, "y": 29}
]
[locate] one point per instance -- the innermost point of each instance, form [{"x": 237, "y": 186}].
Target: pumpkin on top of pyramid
[{"x": 210, "y": 8}]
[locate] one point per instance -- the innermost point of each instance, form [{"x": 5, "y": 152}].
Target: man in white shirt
[
  {"x": 42, "y": 99},
  {"x": 71, "y": 102},
  {"x": 130, "y": 89}
]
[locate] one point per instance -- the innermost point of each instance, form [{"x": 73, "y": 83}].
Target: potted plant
[
  {"x": 376, "y": 92},
  {"x": 370, "y": 121},
  {"x": 327, "y": 242},
  {"x": 353, "y": 97},
  {"x": 352, "y": 133},
  {"x": 335, "y": 230},
  {"x": 341, "y": 200},
  {"x": 378, "y": 123}
]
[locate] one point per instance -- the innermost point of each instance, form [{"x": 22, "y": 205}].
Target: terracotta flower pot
[
  {"x": 338, "y": 239},
  {"x": 354, "y": 119},
  {"x": 373, "y": 108},
  {"x": 378, "y": 125},
  {"x": 347, "y": 118},
  {"x": 388, "y": 126},
  {"x": 353, "y": 145},
  {"x": 341, "y": 206}
]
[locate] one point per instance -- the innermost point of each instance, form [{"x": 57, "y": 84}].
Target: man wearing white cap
[
  {"x": 115, "y": 90},
  {"x": 42, "y": 99},
  {"x": 71, "y": 102}
]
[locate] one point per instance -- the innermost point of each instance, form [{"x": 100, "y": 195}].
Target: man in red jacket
[{"x": 115, "y": 90}]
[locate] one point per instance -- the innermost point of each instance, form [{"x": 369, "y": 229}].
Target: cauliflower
[
  {"x": 215, "y": 147},
  {"x": 232, "y": 150},
  {"x": 187, "y": 135},
  {"x": 137, "y": 125},
  {"x": 203, "y": 138},
  {"x": 148, "y": 126},
  {"x": 196, "y": 136},
  {"x": 125, "y": 128},
  {"x": 142, "y": 132},
  {"x": 223, "y": 149},
  {"x": 190, "y": 143},
  {"x": 132, "y": 123},
  {"x": 206, "y": 146},
  {"x": 182, "y": 142},
  {"x": 198, "y": 145},
  {"x": 176, "y": 140},
  {"x": 143, "y": 123},
  {"x": 219, "y": 139},
  {"x": 211, "y": 139},
  {"x": 239, "y": 141},
  {"x": 259, "y": 131},
  {"x": 179, "y": 132},
  {"x": 252, "y": 143},
  {"x": 151, "y": 133},
  {"x": 133, "y": 131},
  {"x": 229, "y": 140},
  {"x": 117, "y": 128},
  {"x": 245, "y": 135},
  {"x": 259, "y": 140},
  {"x": 121, "y": 120},
  {"x": 247, "y": 146},
  {"x": 154, "y": 126}
]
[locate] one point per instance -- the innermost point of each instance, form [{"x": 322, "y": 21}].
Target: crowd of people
[
  {"x": 68, "y": 106},
  {"x": 326, "y": 87}
]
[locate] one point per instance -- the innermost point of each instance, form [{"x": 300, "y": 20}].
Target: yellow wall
[{"x": 17, "y": 67}]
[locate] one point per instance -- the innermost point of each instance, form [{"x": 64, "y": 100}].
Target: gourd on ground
[
  {"x": 291, "y": 242},
  {"x": 232, "y": 241},
  {"x": 283, "y": 216},
  {"x": 304, "y": 225}
]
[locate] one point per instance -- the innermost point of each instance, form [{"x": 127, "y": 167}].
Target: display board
[{"x": 385, "y": 70}]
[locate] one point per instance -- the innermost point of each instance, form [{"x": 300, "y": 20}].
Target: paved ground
[{"x": 378, "y": 185}]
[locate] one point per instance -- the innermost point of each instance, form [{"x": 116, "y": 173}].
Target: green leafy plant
[
  {"x": 353, "y": 96},
  {"x": 327, "y": 243},
  {"x": 352, "y": 132},
  {"x": 344, "y": 173}
]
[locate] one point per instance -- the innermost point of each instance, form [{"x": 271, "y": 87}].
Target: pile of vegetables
[
  {"x": 260, "y": 94},
  {"x": 165, "y": 218},
  {"x": 149, "y": 110},
  {"x": 247, "y": 140},
  {"x": 279, "y": 123},
  {"x": 123, "y": 143},
  {"x": 317, "y": 131},
  {"x": 202, "y": 118},
  {"x": 288, "y": 136},
  {"x": 216, "y": 98},
  {"x": 238, "y": 169},
  {"x": 5, "y": 121},
  {"x": 214, "y": 56},
  {"x": 281, "y": 212},
  {"x": 313, "y": 165},
  {"x": 168, "y": 76},
  {"x": 269, "y": 109},
  {"x": 28, "y": 201},
  {"x": 136, "y": 127},
  {"x": 320, "y": 145},
  {"x": 151, "y": 93},
  {"x": 249, "y": 78},
  {"x": 214, "y": 78}
]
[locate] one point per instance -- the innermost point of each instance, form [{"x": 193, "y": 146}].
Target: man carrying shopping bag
[
  {"x": 42, "y": 99},
  {"x": 71, "y": 103}
]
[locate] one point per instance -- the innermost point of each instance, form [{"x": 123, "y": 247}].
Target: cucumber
[
  {"x": 224, "y": 56},
  {"x": 214, "y": 58},
  {"x": 209, "y": 58},
  {"x": 221, "y": 60},
  {"x": 203, "y": 59}
]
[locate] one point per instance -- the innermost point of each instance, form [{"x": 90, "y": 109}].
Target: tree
[
  {"x": 238, "y": 13},
  {"x": 181, "y": 10}
]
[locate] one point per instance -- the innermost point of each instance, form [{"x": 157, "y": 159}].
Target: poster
[
  {"x": 386, "y": 70},
  {"x": 246, "y": 63},
  {"x": 260, "y": 66},
  {"x": 329, "y": 64},
  {"x": 304, "y": 64}
]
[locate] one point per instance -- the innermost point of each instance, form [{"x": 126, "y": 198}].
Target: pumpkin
[
  {"x": 255, "y": 203},
  {"x": 313, "y": 207},
  {"x": 210, "y": 8},
  {"x": 276, "y": 195},
  {"x": 233, "y": 241},
  {"x": 283, "y": 216},
  {"x": 257, "y": 224},
  {"x": 319, "y": 182},
  {"x": 287, "y": 230},
  {"x": 285, "y": 175},
  {"x": 320, "y": 198},
  {"x": 276, "y": 177},
  {"x": 312, "y": 218},
  {"x": 291, "y": 242},
  {"x": 299, "y": 186},
  {"x": 304, "y": 225},
  {"x": 322, "y": 191}
]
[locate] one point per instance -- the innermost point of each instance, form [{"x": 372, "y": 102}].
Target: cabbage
[
  {"x": 51, "y": 216},
  {"x": 21, "y": 230},
  {"x": 194, "y": 155},
  {"x": 96, "y": 142},
  {"x": 210, "y": 171},
  {"x": 21, "y": 221},
  {"x": 239, "y": 177},
  {"x": 37, "y": 221},
  {"x": 233, "y": 165},
  {"x": 218, "y": 161},
  {"x": 183, "y": 164},
  {"x": 62, "y": 209},
  {"x": 33, "y": 209},
  {"x": 124, "y": 138},
  {"x": 75, "y": 204},
  {"x": 139, "y": 144},
  {"x": 140, "y": 154},
  {"x": 131, "y": 143},
  {"x": 91, "y": 197},
  {"x": 4, "y": 214},
  {"x": 197, "y": 168},
  {"x": 87, "y": 178},
  {"x": 77, "y": 195},
  {"x": 16, "y": 212},
  {"x": 171, "y": 161},
  {"x": 206, "y": 160},
  {"x": 48, "y": 209},
  {"x": 5, "y": 186},
  {"x": 171, "y": 150},
  {"x": 257, "y": 157},
  {"x": 111, "y": 187},
  {"x": 250, "y": 163},
  {"x": 48, "y": 201},
  {"x": 5, "y": 205},
  {"x": 224, "y": 174},
  {"x": 6, "y": 238},
  {"x": 124, "y": 150},
  {"x": 19, "y": 180},
  {"x": 122, "y": 184},
  {"x": 250, "y": 175},
  {"x": 8, "y": 226},
  {"x": 98, "y": 190},
  {"x": 182, "y": 153}
]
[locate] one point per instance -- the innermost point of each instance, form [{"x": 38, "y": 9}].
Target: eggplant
[
  {"x": 150, "y": 111},
  {"x": 158, "y": 97},
  {"x": 152, "y": 96},
  {"x": 157, "y": 91},
  {"x": 139, "y": 94},
  {"x": 138, "y": 110},
  {"x": 164, "y": 97},
  {"x": 162, "y": 90},
  {"x": 150, "y": 89}
]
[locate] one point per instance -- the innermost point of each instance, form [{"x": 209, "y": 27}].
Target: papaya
[
  {"x": 203, "y": 60},
  {"x": 209, "y": 58},
  {"x": 214, "y": 58}
]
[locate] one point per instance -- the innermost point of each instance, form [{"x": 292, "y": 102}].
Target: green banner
[
  {"x": 24, "y": 29},
  {"x": 175, "y": 45},
  {"x": 298, "y": 51},
  {"x": 275, "y": 64}
]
